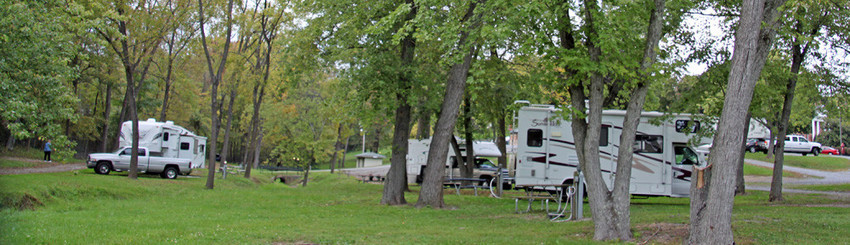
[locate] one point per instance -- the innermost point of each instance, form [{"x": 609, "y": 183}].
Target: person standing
[{"x": 47, "y": 151}]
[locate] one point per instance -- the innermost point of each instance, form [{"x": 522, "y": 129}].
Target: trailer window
[
  {"x": 165, "y": 137},
  {"x": 648, "y": 144},
  {"x": 687, "y": 126},
  {"x": 603, "y": 136},
  {"x": 535, "y": 137},
  {"x": 202, "y": 148},
  {"x": 184, "y": 146}
]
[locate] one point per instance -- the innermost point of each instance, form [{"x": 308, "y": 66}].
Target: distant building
[{"x": 369, "y": 159}]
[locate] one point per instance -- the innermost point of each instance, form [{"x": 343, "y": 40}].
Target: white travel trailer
[
  {"x": 662, "y": 163},
  {"x": 166, "y": 140},
  {"x": 417, "y": 159}
]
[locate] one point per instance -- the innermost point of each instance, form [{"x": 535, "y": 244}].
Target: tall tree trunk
[
  {"x": 216, "y": 78},
  {"x": 337, "y": 145},
  {"x": 431, "y": 193},
  {"x": 377, "y": 143},
  {"x": 711, "y": 204},
  {"x": 344, "y": 152},
  {"x": 107, "y": 108},
  {"x": 467, "y": 166},
  {"x": 598, "y": 194},
  {"x": 771, "y": 144},
  {"x": 163, "y": 111},
  {"x": 740, "y": 186},
  {"x": 306, "y": 174},
  {"x": 396, "y": 182},
  {"x": 424, "y": 129},
  {"x": 798, "y": 55},
  {"x": 226, "y": 145}
]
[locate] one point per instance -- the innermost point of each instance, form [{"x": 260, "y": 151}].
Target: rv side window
[
  {"x": 184, "y": 146},
  {"x": 649, "y": 144},
  {"x": 687, "y": 126},
  {"x": 535, "y": 137},
  {"x": 165, "y": 137},
  {"x": 603, "y": 136},
  {"x": 202, "y": 148}
]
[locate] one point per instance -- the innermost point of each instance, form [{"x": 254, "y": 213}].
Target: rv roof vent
[
  {"x": 151, "y": 120},
  {"x": 169, "y": 122}
]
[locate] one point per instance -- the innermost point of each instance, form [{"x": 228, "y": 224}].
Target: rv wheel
[{"x": 102, "y": 168}]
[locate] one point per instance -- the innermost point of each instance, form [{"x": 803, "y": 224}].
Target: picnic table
[
  {"x": 458, "y": 183},
  {"x": 545, "y": 193}
]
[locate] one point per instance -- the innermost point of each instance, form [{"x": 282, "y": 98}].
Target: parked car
[
  {"x": 757, "y": 145},
  {"x": 829, "y": 150}
]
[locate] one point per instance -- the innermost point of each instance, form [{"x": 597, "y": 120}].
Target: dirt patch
[
  {"x": 662, "y": 233},
  {"x": 27, "y": 202}
]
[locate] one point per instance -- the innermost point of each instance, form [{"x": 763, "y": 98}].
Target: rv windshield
[{"x": 685, "y": 156}]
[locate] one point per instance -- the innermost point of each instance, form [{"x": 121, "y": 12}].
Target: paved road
[{"x": 826, "y": 177}]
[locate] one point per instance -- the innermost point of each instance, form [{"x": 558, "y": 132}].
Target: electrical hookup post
[
  {"x": 224, "y": 169},
  {"x": 577, "y": 200}
]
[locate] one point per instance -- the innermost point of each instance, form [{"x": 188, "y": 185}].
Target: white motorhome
[
  {"x": 662, "y": 163},
  {"x": 165, "y": 139},
  {"x": 417, "y": 159}
]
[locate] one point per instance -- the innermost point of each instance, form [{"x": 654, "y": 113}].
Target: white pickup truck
[
  {"x": 799, "y": 144},
  {"x": 166, "y": 167}
]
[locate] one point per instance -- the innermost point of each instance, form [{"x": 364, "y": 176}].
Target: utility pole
[{"x": 364, "y": 140}]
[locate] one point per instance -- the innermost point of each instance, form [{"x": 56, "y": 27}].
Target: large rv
[
  {"x": 417, "y": 159},
  {"x": 164, "y": 139},
  {"x": 662, "y": 163}
]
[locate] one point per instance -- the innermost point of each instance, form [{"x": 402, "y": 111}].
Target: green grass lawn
[
  {"x": 825, "y": 163},
  {"x": 14, "y": 163},
  {"x": 836, "y": 187},
  {"x": 81, "y": 207},
  {"x": 765, "y": 171}
]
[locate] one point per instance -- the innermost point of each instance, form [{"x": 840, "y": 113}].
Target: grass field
[
  {"x": 81, "y": 207},
  {"x": 825, "y": 163},
  {"x": 765, "y": 171}
]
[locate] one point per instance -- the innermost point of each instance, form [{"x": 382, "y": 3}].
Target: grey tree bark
[
  {"x": 711, "y": 203},
  {"x": 799, "y": 49},
  {"x": 740, "y": 186},
  {"x": 396, "y": 182},
  {"x": 216, "y": 78},
  {"x": 107, "y": 109},
  {"x": 431, "y": 193},
  {"x": 468, "y": 165}
]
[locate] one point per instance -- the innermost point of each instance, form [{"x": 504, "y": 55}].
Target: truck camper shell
[{"x": 166, "y": 139}]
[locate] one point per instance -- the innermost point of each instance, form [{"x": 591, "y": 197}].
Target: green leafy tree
[{"x": 37, "y": 44}]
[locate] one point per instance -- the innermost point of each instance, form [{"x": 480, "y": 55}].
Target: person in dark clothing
[{"x": 47, "y": 151}]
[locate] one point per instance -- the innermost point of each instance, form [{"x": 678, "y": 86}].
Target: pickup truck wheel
[
  {"x": 170, "y": 173},
  {"x": 753, "y": 149},
  {"x": 102, "y": 168},
  {"x": 815, "y": 151}
]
